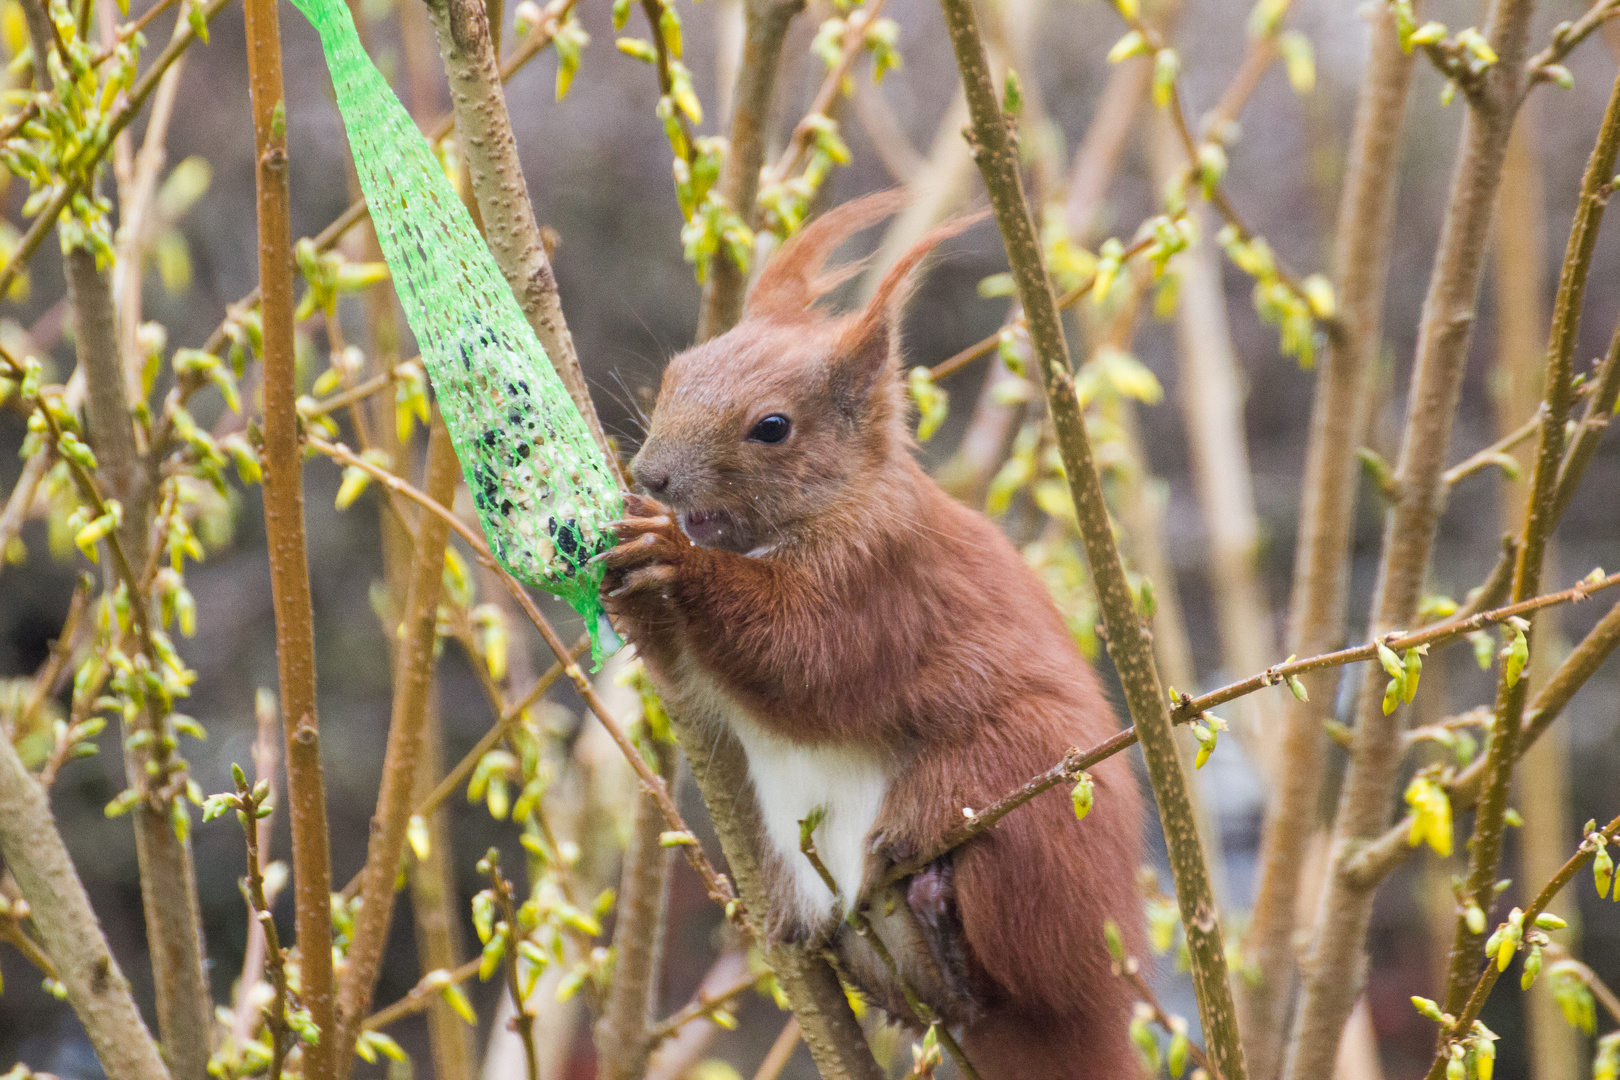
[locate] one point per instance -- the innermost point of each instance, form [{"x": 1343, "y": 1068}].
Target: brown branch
[
  {"x": 523, "y": 1021},
  {"x": 67, "y": 927},
  {"x": 167, "y": 876},
  {"x": 502, "y": 727},
  {"x": 266, "y": 757},
  {"x": 248, "y": 802},
  {"x": 509, "y": 225},
  {"x": 1127, "y": 644},
  {"x": 1337, "y": 969},
  {"x": 1445, "y": 631},
  {"x": 1577, "y": 668},
  {"x": 704, "y": 1004},
  {"x": 413, "y": 677},
  {"x": 623, "y": 1039},
  {"x": 1494, "y": 454},
  {"x": 765, "y": 27},
  {"x": 289, "y": 561},
  {"x": 780, "y": 1053}
]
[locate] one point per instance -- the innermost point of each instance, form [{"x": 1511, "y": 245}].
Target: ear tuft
[
  {"x": 863, "y": 340},
  {"x": 795, "y": 278}
]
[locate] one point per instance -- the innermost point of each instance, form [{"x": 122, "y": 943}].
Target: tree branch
[
  {"x": 1337, "y": 969},
  {"x": 1127, "y": 645},
  {"x": 1486, "y": 979},
  {"x": 413, "y": 677},
  {"x": 1327, "y": 521},
  {"x": 623, "y": 1039},
  {"x": 284, "y": 529},
  {"x": 765, "y": 27},
  {"x": 67, "y": 926}
]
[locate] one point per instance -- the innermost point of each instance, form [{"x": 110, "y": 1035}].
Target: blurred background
[{"x": 599, "y": 174}]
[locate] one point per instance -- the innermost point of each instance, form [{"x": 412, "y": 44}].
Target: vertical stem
[
  {"x": 1540, "y": 516},
  {"x": 1521, "y": 231},
  {"x": 435, "y": 910},
  {"x": 765, "y": 27},
  {"x": 67, "y": 927},
  {"x": 1327, "y": 521},
  {"x": 168, "y": 877},
  {"x": 284, "y": 532},
  {"x": 1338, "y": 964},
  {"x": 622, "y": 1046},
  {"x": 1127, "y": 645},
  {"x": 412, "y": 681}
]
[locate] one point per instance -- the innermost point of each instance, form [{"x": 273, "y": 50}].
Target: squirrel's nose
[{"x": 656, "y": 481}]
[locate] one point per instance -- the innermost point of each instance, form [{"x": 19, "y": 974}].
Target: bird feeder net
[{"x": 543, "y": 493}]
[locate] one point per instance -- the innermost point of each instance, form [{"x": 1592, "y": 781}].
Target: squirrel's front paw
[{"x": 649, "y": 555}]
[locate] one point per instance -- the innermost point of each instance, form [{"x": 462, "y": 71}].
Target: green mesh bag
[{"x": 544, "y": 494}]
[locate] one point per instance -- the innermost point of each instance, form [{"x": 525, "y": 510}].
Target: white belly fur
[{"x": 792, "y": 779}]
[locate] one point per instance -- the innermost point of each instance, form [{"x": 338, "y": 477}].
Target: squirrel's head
[{"x": 794, "y": 411}]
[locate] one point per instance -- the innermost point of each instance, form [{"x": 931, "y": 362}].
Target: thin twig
[
  {"x": 251, "y": 802},
  {"x": 523, "y": 1020},
  {"x": 503, "y": 726},
  {"x": 1495, "y": 454},
  {"x": 780, "y": 1053},
  {"x": 854, "y": 38},
  {"x": 1486, "y": 979},
  {"x": 704, "y": 1004},
  {"x": 1581, "y": 663},
  {"x": 986, "y": 346},
  {"x": 421, "y": 996},
  {"x": 1373, "y": 862}
]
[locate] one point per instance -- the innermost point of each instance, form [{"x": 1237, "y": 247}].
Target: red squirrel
[{"x": 882, "y": 653}]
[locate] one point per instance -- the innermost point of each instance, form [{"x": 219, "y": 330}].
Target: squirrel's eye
[{"x": 772, "y": 429}]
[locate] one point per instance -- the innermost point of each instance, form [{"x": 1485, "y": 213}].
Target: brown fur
[{"x": 876, "y": 612}]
